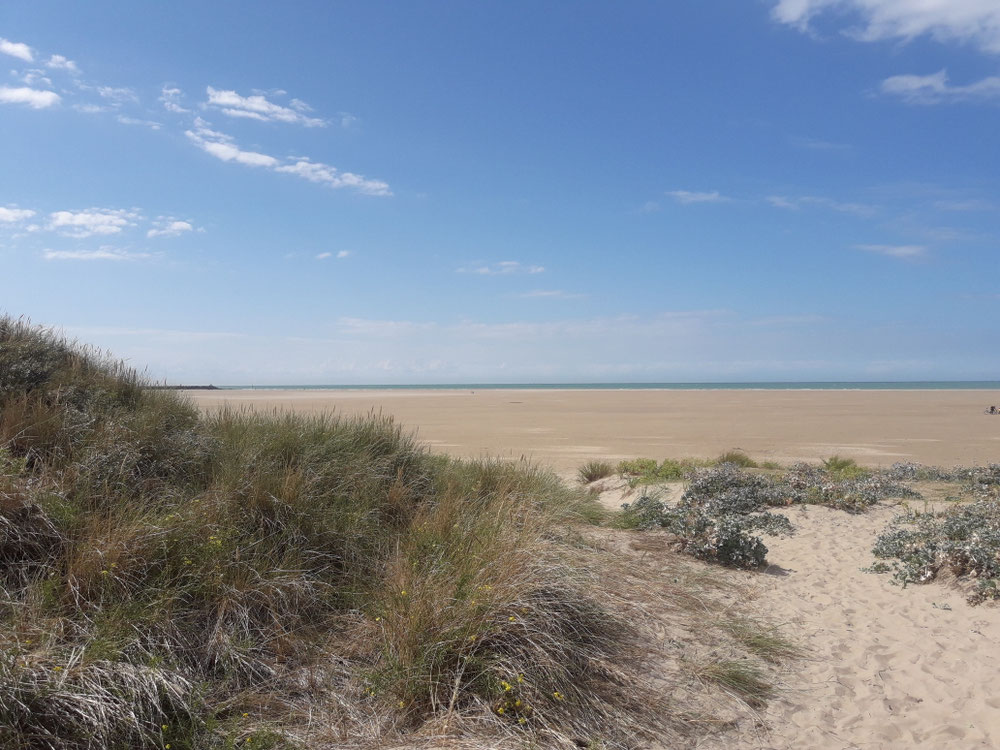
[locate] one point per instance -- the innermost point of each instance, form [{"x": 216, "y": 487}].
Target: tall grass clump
[
  {"x": 594, "y": 470},
  {"x": 267, "y": 580}
]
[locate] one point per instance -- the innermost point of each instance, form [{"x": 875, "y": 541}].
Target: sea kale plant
[
  {"x": 719, "y": 516},
  {"x": 963, "y": 540}
]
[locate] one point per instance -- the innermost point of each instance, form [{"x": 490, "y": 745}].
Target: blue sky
[{"x": 318, "y": 192}]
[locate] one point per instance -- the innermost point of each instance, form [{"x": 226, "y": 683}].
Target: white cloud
[
  {"x": 34, "y": 78},
  {"x": 324, "y": 256},
  {"x": 11, "y": 215},
  {"x": 973, "y": 21},
  {"x": 315, "y": 171},
  {"x": 99, "y": 221},
  {"x": 169, "y": 228},
  {"x": 502, "y": 268},
  {"x": 257, "y": 107},
  {"x": 117, "y": 96},
  {"x": 133, "y": 121},
  {"x": 90, "y": 109},
  {"x": 16, "y": 49},
  {"x": 170, "y": 98},
  {"x": 935, "y": 89},
  {"x": 343, "y": 253},
  {"x": 34, "y": 98},
  {"x": 222, "y": 146},
  {"x": 687, "y": 197},
  {"x": 104, "y": 253},
  {"x": 795, "y": 203},
  {"x": 58, "y": 62},
  {"x": 903, "y": 252}
]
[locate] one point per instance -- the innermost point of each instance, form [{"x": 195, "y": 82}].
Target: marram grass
[{"x": 247, "y": 580}]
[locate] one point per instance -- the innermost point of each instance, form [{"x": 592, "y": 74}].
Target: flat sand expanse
[{"x": 564, "y": 428}]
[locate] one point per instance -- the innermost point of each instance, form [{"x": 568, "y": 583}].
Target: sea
[{"x": 833, "y": 385}]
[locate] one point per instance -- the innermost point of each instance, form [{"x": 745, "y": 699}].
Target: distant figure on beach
[{"x": 993, "y": 410}]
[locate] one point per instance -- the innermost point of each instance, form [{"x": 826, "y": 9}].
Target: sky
[{"x": 500, "y": 192}]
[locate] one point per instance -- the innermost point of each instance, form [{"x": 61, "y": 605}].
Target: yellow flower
[
  {"x": 522, "y": 720},
  {"x": 403, "y": 592},
  {"x": 167, "y": 746},
  {"x": 517, "y": 702},
  {"x": 57, "y": 669},
  {"x": 163, "y": 727},
  {"x": 114, "y": 565},
  {"x": 520, "y": 679},
  {"x": 506, "y": 685},
  {"x": 500, "y": 710},
  {"x": 245, "y": 715},
  {"x": 104, "y": 572},
  {"x": 557, "y": 695},
  {"x": 378, "y": 619},
  {"x": 472, "y": 637},
  {"x": 402, "y": 704},
  {"x": 511, "y": 618}
]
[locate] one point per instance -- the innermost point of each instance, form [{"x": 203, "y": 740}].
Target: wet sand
[{"x": 564, "y": 428}]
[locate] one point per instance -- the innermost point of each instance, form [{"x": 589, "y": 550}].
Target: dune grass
[{"x": 277, "y": 581}]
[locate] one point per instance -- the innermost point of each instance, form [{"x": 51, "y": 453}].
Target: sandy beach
[{"x": 564, "y": 428}]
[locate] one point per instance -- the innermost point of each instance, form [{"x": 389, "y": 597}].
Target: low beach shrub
[{"x": 963, "y": 540}]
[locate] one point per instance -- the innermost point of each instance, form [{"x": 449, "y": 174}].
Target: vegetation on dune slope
[{"x": 172, "y": 580}]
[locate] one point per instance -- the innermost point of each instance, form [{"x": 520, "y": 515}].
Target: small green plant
[{"x": 594, "y": 470}]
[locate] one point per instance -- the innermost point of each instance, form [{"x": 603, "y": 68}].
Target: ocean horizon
[{"x": 832, "y": 385}]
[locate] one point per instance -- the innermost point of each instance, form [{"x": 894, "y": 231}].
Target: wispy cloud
[
  {"x": 971, "y": 204},
  {"x": 170, "y": 98},
  {"x": 818, "y": 144},
  {"x": 339, "y": 255},
  {"x": 687, "y": 197},
  {"x": 104, "y": 253},
  {"x": 58, "y": 62},
  {"x": 258, "y": 107},
  {"x": 223, "y": 147},
  {"x": 34, "y": 98},
  {"x": 95, "y": 221},
  {"x": 117, "y": 95},
  {"x": 794, "y": 203},
  {"x": 902, "y": 252},
  {"x": 974, "y": 21},
  {"x": 936, "y": 89},
  {"x": 323, "y": 256},
  {"x": 12, "y": 214},
  {"x": 502, "y": 268},
  {"x": 169, "y": 228},
  {"x": 20, "y": 50},
  {"x": 151, "y": 124},
  {"x": 343, "y": 253},
  {"x": 315, "y": 171},
  {"x": 550, "y": 294}
]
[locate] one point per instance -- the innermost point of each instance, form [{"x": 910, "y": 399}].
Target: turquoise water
[{"x": 916, "y": 385}]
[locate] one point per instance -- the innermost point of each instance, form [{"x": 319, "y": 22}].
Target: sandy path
[{"x": 888, "y": 667}]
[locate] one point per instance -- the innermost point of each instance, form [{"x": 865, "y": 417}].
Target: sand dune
[{"x": 886, "y": 667}]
